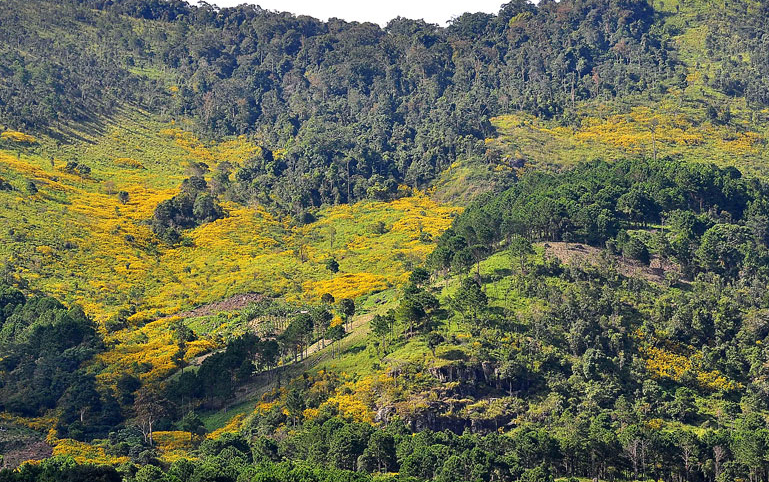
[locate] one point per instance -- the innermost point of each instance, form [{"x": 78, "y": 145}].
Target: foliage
[
  {"x": 44, "y": 345},
  {"x": 352, "y": 109},
  {"x": 598, "y": 203},
  {"x": 298, "y": 145}
]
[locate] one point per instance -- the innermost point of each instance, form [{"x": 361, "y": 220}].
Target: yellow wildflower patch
[
  {"x": 173, "y": 445},
  {"x": 663, "y": 363},
  {"x": 351, "y": 285},
  {"x": 84, "y": 453},
  {"x": 232, "y": 426},
  {"x": 19, "y": 137}
]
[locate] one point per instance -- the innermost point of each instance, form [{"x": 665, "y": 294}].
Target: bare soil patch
[
  {"x": 236, "y": 302},
  {"x": 19, "y": 444},
  {"x": 581, "y": 254}
]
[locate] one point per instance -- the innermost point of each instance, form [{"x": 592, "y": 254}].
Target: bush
[
  {"x": 637, "y": 250},
  {"x": 332, "y": 265}
]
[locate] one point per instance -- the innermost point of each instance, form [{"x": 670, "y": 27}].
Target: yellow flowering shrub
[
  {"x": 633, "y": 132},
  {"x": 264, "y": 407},
  {"x": 84, "y": 453},
  {"x": 663, "y": 363},
  {"x": 352, "y": 408},
  {"x": 336, "y": 321},
  {"x": 173, "y": 441},
  {"x": 38, "y": 424},
  {"x": 356, "y": 400},
  {"x": 16, "y": 136},
  {"x": 741, "y": 144},
  {"x": 310, "y": 413},
  {"x": 348, "y": 285},
  {"x": 608, "y": 131},
  {"x": 236, "y": 151},
  {"x": 45, "y": 250},
  {"x": 654, "y": 423}
]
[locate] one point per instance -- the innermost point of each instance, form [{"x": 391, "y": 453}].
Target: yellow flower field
[{"x": 76, "y": 240}]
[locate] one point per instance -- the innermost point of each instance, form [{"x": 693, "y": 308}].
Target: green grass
[{"x": 216, "y": 420}]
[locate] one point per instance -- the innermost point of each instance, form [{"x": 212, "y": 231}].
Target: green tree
[
  {"x": 192, "y": 423},
  {"x": 150, "y": 473},
  {"x": 520, "y": 247},
  {"x": 347, "y": 310},
  {"x": 295, "y": 404},
  {"x": 750, "y": 443},
  {"x": 81, "y": 397},
  {"x": 722, "y": 249},
  {"x": 332, "y": 265},
  {"x": 335, "y": 333},
  {"x": 469, "y": 299},
  {"x": 434, "y": 339},
  {"x": 379, "y": 454},
  {"x": 380, "y": 326},
  {"x": 419, "y": 276},
  {"x": 637, "y": 250},
  {"x": 321, "y": 319}
]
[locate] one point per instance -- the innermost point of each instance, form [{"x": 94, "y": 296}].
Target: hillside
[{"x": 243, "y": 245}]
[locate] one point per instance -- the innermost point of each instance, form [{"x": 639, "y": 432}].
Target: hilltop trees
[
  {"x": 693, "y": 199},
  {"x": 364, "y": 108}
]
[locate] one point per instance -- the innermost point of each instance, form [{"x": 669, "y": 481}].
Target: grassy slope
[{"x": 75, "y": 240}]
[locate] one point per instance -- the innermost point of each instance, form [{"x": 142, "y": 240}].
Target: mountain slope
[{"x": 528, "y": 246}]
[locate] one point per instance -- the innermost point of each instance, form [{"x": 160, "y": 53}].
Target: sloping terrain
[{"x": 239, "y": 245}]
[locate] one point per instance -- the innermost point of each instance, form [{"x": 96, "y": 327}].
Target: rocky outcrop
[{"x": 461, "y": 384}]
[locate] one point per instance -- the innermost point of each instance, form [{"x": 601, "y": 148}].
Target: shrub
[{"x": 637, "y": 250}]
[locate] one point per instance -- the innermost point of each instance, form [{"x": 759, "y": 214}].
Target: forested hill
[
  {"x": 353, "y": 104},
  {"x": 239, "y": 245}
]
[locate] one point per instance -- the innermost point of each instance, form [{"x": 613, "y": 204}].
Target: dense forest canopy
[
  {"x": 352, "y": 104},
  {"x": 709, "y": 208}
]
